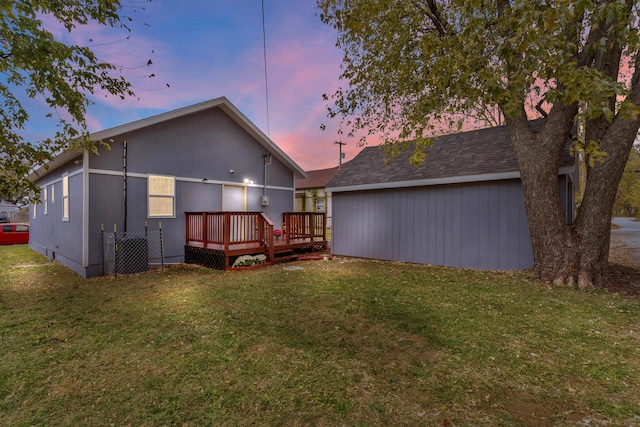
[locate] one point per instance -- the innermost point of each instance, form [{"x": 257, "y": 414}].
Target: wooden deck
[{"x": 216, "y": 239}]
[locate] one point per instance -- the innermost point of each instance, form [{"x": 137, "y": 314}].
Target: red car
[{"x": 14, "y": 234}]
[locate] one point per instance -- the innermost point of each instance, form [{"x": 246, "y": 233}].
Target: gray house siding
[
  {"x": 478, "y": 225},
  {"x": 208, "y": 144},
  {"x": 205, "y": 150},
  {"x": 462, "y": 207},
  {"x": 49, "y": 234}
]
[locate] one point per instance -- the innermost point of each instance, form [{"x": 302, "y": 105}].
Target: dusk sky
[{"x": 207, "y": 49}]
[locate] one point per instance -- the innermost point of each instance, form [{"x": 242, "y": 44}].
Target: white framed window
[
  {"x": 53, "y": 194},
  {"x": 34, "y": 210},
  {"x": 162, "y": 200},
  {"x": 65, "y": 197},
  {"x": 45, "y": 202},
  {"x": 320, "y": 205}
]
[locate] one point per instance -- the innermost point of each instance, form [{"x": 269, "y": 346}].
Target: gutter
[{"x": 498, "y": 176}]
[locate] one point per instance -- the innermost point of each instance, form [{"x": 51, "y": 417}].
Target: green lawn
[{"x": 341, "y": 342}]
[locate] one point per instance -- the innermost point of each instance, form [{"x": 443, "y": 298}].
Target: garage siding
[{"x": 478, "y": 225}]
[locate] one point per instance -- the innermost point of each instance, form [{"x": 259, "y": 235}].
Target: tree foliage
[
  {"x": 413, "y": 65},
  {"x": 34, "y": 63}
]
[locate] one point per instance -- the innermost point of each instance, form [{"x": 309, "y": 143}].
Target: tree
[
  {"x": 34, "y": 64},
  {"x": 628, "y": 197},
  {"x": 412, "y": 64}
]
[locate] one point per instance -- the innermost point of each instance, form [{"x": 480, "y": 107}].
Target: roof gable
[
  {"x": 450, "y": 158},
  {"x": 223, "y": 103},
  {"x": 316, "y": 178}
]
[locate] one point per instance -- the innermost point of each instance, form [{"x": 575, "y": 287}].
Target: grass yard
[{"x": 341, "y": 342}]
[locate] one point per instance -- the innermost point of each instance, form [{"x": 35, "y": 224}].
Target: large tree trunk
[
  {"x": 574, "y": 255},
  {"x": 554, "y": 243},
  {"x": 593, "y": 223}
]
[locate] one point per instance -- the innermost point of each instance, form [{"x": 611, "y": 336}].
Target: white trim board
[
  {"x": 186, "y": 179},
  {"x": 437, "y": 181}
]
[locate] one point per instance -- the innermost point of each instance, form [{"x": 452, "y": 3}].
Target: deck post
[
  {"x": 205, "y": 230},
  {"x": 324, "y": 227},
  {"x": 271, "y": 243},
  {"x": 227, "y": 231},
  {"x": 305, "y": 225},
  {"x": 226, "y": 237},
  {"x": 186, "y": 223},
  {"x": 287, "y": 226}
]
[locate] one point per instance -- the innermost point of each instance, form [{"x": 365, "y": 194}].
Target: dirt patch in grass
[
  {"x": 533, "y": 412},
  {"x": 624, "y": 280},
  {"x": 624, "y": 272}
]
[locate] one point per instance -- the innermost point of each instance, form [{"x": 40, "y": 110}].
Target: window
[
  {"x": 22, "y": 228},
  {"x": 34, "y": 211},
  {"x": 65, "y": 198},
  {"x": 161, "y": 196},
  {"x": 45, "y": 204},
  {"x": 7, "y": 228},
  {"x": 53, "y": 199},
  {"x": 319, "y": 205}
]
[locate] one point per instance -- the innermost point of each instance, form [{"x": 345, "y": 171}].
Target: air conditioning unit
[{"x": 265, "y": 200}]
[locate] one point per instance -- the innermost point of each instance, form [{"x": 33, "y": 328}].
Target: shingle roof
[
  {"x": 471, "y": 153},
  {"x": 316, "y": 179}
]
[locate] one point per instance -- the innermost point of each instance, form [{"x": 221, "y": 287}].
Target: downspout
[{"x": 124, "y": 166}]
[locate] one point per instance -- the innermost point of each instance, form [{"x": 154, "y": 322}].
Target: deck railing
[
  {"x": 229, "y": 228},
  {"x": 304, "y": 226},
  {"x": 238, "y": 232}
]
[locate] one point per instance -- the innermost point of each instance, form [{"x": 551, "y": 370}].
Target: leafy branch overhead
[{"x": 36, "y": 64}]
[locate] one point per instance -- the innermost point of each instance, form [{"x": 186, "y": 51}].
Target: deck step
[
  {"x": 286, "y": 255},
  {"x": 292, "y": 257},
  {"x": 315, "y": 256},
  {"x": 282, "y": 252}
]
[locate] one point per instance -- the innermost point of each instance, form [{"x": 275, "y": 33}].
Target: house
[
  {"x": 202, "y": 158},
  {"x": 311, "y": 194},
  {"x": 463, "y": 207},
  {"x": 10, "y": 212}
]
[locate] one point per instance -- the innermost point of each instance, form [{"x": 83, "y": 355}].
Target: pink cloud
[{"x": 303, "y": 64}]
